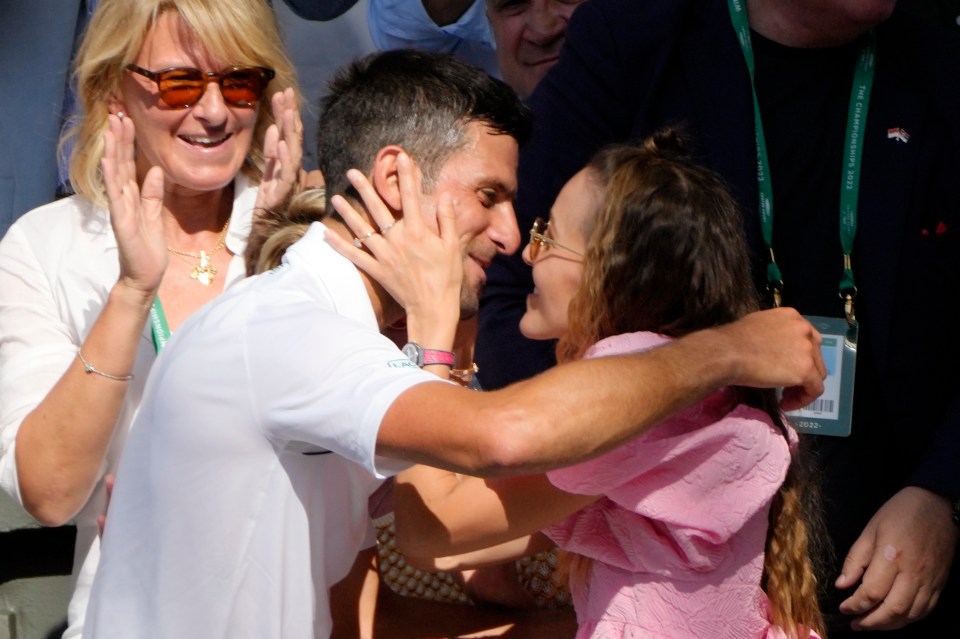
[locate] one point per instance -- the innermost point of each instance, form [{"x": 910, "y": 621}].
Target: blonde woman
[{"x": 189, "y": 125}]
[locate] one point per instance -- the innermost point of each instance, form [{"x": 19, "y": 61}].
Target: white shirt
[
  {"x": 242, "y": 493},
  {"x": 57, "y": 266},
  {"x": 404, "y": 24}
]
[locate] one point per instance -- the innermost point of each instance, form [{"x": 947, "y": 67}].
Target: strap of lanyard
[
  {"x": 852, "y": 159},
  {"x": 158, "y": 325}
]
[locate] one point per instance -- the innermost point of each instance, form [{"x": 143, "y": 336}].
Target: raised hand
[
  {"x": 418, "y": 263},
  {"x": 135, "y": 211},
  {"x": 283, "y": 152}
]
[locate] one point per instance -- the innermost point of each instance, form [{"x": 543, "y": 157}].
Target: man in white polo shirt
[{"x": 275, "y": 411}]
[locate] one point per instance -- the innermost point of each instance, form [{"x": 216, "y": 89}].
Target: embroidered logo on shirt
[{"x": 401, "y": 363}]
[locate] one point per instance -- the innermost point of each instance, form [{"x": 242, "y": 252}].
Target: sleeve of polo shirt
[{"x": 323, "y": 379}]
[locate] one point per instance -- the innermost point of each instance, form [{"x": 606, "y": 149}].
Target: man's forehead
[{"x": 487, "y": 159}]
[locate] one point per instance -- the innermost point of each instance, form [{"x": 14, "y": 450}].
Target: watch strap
[
  {"x": 432, "y": 356},
  {"x": 428, "y": 356}
]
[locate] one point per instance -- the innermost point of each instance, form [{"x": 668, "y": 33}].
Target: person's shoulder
[
  {"x": 919, "y": 54},
  {"x": 626, "y": 343},
  {"x": 647, "y": 9},
  {"x": 930, "y": 45},
  {"x": 74, "y": 205},
  {"x": 61, "y": 221},
  {"x": 645, "y": 30},
  {"x": 289, "y": 296},
  {"x": 652, "y": 14}
]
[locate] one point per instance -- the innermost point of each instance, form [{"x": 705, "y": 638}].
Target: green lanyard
[
  {"x": 852, "y": 159},
  {"x": 158, "y": 325}
]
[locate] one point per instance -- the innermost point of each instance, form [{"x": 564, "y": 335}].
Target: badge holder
[{"x": 832, "y": 413}]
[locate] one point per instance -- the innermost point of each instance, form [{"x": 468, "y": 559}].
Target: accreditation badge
[{"x": 832, "y": 412}]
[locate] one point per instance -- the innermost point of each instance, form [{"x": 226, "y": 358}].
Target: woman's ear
[
  {"x": 115, "y": 105},
  {"x": 385, "y": 178}
]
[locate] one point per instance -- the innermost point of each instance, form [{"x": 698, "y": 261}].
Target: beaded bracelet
[
  {"x": 464, "y": 376},
  {"x": 88, "y": 368}
]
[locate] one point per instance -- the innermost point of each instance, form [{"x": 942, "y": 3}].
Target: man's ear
[{"x": 385, "y": 178}]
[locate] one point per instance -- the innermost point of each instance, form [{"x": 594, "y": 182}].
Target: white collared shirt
[{"x": 57, "y": 266}]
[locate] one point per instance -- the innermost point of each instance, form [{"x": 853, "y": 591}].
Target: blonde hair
[
  {"x": 796, "y": 551},
  {"x": 274, "y": 231},
  {"x": 241, "y": 31}
]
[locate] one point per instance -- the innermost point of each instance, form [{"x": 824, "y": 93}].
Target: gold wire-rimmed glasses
[{"x": 538, "y": 240}]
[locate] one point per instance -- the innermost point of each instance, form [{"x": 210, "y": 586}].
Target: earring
[{"x": 120, "y": 115}]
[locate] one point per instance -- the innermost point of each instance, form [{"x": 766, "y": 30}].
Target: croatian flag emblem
[{"x": 898, "y": 134}]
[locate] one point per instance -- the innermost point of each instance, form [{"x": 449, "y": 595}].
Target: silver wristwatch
[{"x": 428, "y": 356}]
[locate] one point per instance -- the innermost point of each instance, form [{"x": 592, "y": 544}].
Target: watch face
[{"x": 412, "y": 351}]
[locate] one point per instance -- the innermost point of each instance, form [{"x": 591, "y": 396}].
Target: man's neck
[
  {"x": 386, "y": 309},
  {"x": 794, "y": 23}
]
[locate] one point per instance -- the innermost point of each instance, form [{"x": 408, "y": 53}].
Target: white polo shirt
[{"x": 241, "y": 495}]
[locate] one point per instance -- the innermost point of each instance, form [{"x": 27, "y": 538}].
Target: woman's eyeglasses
[
  {"x": 539, "y": 240},
  {"x": 182, "y": 87}
]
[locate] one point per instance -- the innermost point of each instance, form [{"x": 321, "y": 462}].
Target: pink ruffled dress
[{"x": 677, "y": 541}]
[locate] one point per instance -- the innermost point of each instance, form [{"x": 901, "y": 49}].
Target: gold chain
[{"x": 203, "y": 271}]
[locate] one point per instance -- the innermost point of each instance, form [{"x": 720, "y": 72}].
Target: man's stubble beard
[{"x": 470, "y": 299}]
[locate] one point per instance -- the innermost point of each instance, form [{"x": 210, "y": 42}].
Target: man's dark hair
[{"x": 418, "y": 100}]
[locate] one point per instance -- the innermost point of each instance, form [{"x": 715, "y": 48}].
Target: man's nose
[
  {"x": 545, "y": 23},
  {"x": 504, "y": 230}
]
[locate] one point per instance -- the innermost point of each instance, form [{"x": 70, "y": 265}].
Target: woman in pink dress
[{"x": 697, "y": 528}]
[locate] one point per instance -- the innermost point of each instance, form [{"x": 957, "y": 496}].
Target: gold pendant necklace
[{"x": 203, "y": 271}]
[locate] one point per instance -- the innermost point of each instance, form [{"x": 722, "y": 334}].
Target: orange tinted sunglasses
[{"x": 182, "y": 87}]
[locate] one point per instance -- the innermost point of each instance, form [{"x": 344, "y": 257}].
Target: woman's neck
[{"x": 190, "y": 220}]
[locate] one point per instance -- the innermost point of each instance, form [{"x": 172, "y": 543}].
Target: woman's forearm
[{"x": 62, "y": 443}]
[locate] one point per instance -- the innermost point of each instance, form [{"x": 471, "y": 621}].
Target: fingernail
[
  {"x": 890, "y": 553},
  {"x": 864, "y": 606}
]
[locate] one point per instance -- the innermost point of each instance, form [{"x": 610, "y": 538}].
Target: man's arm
[
  {"x": 320, "y": 10},
  {"x": 579, "y": 410},
  {"x": 444, "y": 12},
  {"x": 449, "y": 521}
]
